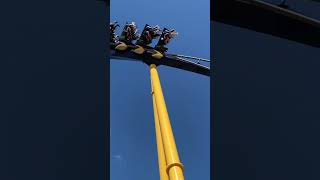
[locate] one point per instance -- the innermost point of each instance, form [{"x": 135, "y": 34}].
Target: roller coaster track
[
  {"x": 170, "y": 166},
  {"x": 268, "y": 18},
  {"x": 172, "y": 60}
]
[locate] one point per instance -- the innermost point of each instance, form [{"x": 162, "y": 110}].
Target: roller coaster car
[
  {"x": 160, "y": 49},
  {"x": 141, "y": 47},
  {"x": 146, "y": 38},
  {"x": 129, "y": 34},
  {"x": 148, "y": 34}
]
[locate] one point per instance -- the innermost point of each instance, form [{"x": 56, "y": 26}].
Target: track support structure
[{"x": 170, "y": 167}]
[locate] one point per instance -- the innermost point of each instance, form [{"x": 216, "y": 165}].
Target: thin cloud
[{"x": 118, "y": 157}]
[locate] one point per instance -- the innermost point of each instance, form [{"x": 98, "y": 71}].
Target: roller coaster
[
  {"x": 127, "y": 50},
  {"x": 274, "y": 19},
  {"x": 124, "y": 48}
]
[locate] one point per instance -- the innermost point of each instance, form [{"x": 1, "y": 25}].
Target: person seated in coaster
[
  {"x": 165, "y": 38},
  {"x": 129, "y": 33},
  {"x": 113, "y": 36},
  {"x": 148, "y": 34}
]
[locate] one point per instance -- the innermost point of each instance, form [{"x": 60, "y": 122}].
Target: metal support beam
[
  {"x": 161, "y": 155},
  {"x": 174, "y": 167}
]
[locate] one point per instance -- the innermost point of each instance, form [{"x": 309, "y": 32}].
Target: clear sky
[{"x": 133, "y": 150}]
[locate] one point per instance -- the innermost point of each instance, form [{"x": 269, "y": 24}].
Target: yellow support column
[
  {"x": 174, "y": 167},
  {"x": 161, "y": 155}
]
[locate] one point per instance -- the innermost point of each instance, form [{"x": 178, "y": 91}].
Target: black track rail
[
  {"x": 168, "y": 60},
  {"x": 268, "y": 18}
]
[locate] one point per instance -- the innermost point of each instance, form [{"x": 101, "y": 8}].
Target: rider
[
  {"x": 129, "y": 33},
  {"x": 167, "y": 35},
  {"x": 148, "y": 35},
  {"x": 113, "y": 36}
]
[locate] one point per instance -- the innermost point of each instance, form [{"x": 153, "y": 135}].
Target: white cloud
[{"x": 118, "y": 157}]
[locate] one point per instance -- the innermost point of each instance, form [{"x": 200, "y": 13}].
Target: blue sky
[{"x": 133, "y": 150}]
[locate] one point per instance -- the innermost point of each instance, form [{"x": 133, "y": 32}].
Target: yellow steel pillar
[
  {"x": 161, "y": 155},
  {"x": 174, "y": 168}
]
